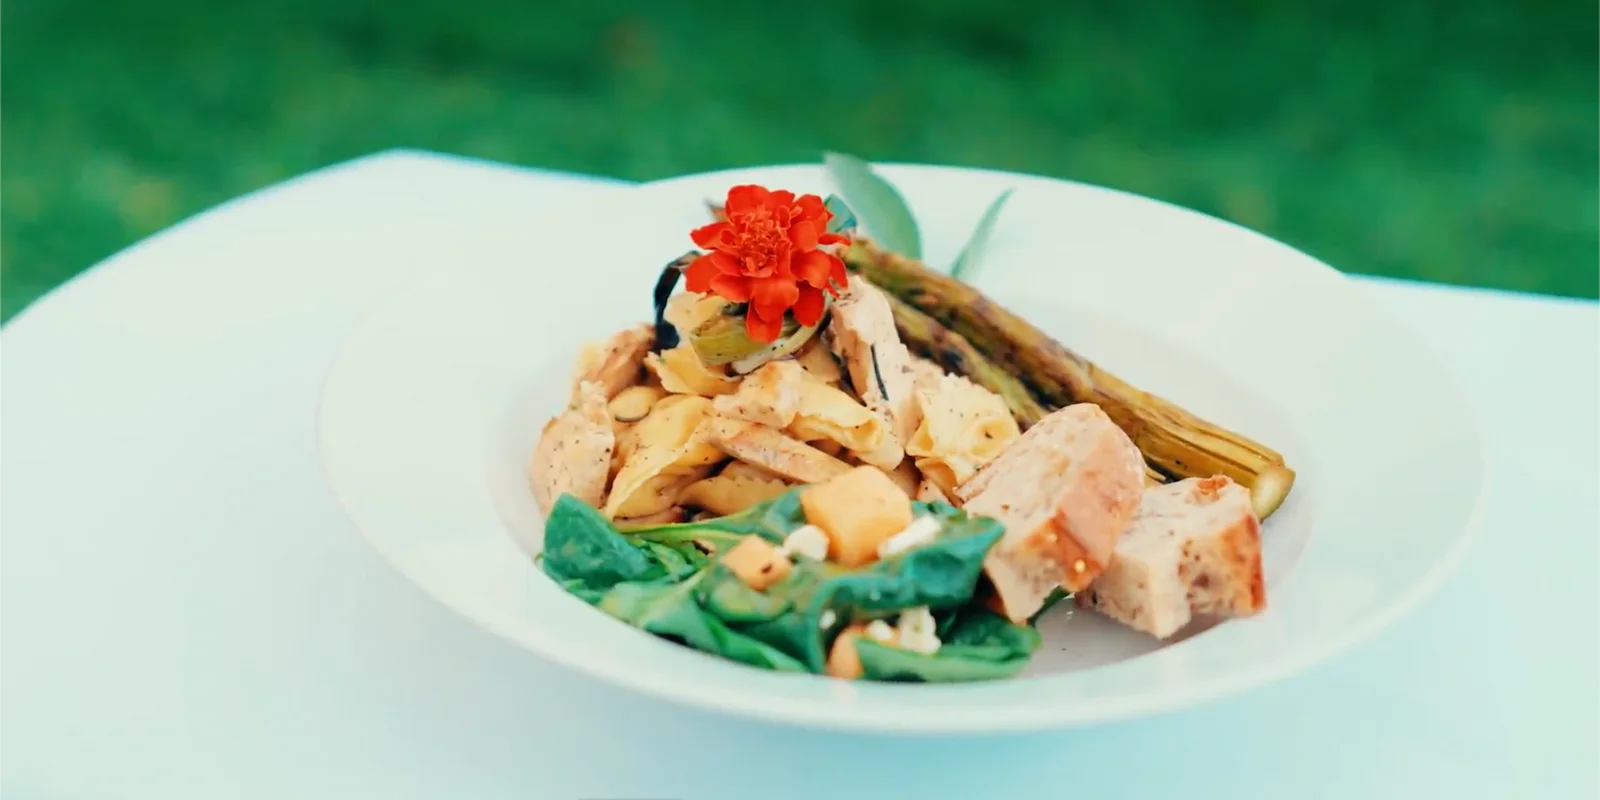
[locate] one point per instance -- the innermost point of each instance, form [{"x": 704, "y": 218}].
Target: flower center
[{"x": 761, "y": 242}]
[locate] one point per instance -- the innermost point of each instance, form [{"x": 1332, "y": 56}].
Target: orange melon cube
[
  {"x": 844, "y": 660},
  {"x": 858, "y": 510},
  {"x": 756, "y": 562}
]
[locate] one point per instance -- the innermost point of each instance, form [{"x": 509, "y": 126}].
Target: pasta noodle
[
  {"x": 770, "y": 395},
  {"x": 730, "y": 494},
  {"x": 828, "y": 413},
  {"x": 682, "y": 372},
  {"x": 670, "y": 443},
  {"x": 963, "y": 427}
]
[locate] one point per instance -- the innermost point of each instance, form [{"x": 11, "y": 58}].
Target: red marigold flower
[{"x": 768, "y": 254}]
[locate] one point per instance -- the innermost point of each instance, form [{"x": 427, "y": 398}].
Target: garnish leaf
[
  {"x": 876, "y": 203},
  {"x": 973, "y": 252},
  {"x": 843, "y": 218}
]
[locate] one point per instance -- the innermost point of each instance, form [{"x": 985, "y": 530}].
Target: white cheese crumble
[
  {"x": 881, "y": 631},
  {"x": 808, "y": 541},
  {"x": 921, "y": 531},
  {"x": 827, "y": 618},
  {"x": 917, "y": 631}
]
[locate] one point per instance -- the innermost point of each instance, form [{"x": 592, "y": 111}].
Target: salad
[{"x": 822, "y": 456}]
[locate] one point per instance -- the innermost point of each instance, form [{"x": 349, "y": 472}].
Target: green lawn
[{"x": 1448, "y": 141}]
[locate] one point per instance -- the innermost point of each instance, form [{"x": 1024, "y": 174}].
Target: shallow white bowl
[{"x": 430, "y": 412}]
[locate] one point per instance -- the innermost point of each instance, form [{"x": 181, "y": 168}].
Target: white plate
[{"x": 431, "y": 410}]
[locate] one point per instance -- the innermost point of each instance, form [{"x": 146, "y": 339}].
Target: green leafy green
[
  {"x": 941, "y": 574},
  {"x": 670, "y": 610},
  {"x": 970, "y": 255},
  {"x": 654, "y": 579},
  {"x": 843, "y": 218},
  {"x": 772, "y": 520},
  {"x": 1056, "y": 595},
  {"x": 975, "y": 644},
  {"x": 723, "y": 594},
  {"x": 584, "y": 553},
  {"x": 876, "y": 203}
]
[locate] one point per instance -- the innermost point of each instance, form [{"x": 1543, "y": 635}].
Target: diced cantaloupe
[
  {"x": 858, "y": 510},
  {"x": 844, "y": 660},
  {"x": 757, "y": 562}
]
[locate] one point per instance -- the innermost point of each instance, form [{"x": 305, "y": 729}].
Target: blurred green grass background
[{"x": 1445, "y": 141}]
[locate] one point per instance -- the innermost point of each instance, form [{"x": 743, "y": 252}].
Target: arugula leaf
[
  {"x": 876, "y": 203},
  {"x": 973, "y": 252},
  {"x": 976, "y": 644}
]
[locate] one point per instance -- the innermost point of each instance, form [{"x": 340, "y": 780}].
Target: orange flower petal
[
  {"x": 698, "y": 275},
  {"x": 803, "y": 235},
  {"x": 783, "y": 260},
  {"x": 773, "y": 296},
  {"x": 813, "y": 208},
  {"x": 733, "y": 288},
  {"x": 746, "y": 198},
  {"x": 726, "y": 264},
  {"x": 713, "y": 236},
  {"x": 837, "y": 274},
  {"x": 761, "y": 329},
  {"x": 833, "y": 238},
  {"x": 814, "y": 268},
  {"x": 808, "y": 309}
]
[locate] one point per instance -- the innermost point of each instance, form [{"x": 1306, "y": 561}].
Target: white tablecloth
[{"x": 186, "y": 614}]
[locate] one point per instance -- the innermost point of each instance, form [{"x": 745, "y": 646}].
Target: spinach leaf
[
  {"x": 655, "y": 580},
  {"x": 772, "y": 520},
  {"x": 585, "y": 554},
  {"x": 722, "y": 593},
  {"x": 678, "y": 561},
  {"x": 941, "y": 574},
  {"x": 876, "y": 203},
  {"x": 670, "y": 610},
  {"x": 976, "y": 644},
  {"x": 1056, "y": 595}
]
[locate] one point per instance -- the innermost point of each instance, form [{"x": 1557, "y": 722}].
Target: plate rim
[{"x": 1252, "y": 675}]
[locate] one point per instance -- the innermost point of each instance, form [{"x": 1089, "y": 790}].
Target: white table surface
[{"x": 186, "y": 614}]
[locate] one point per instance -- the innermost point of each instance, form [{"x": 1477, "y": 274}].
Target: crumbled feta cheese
[
  {"x": 808, "y": 541},
  {"x": 881, "y": 631},
  {"x": 917, "y": 631},
  {"x": 827, "y": 618},
  {"x": 921, "y": 531}
]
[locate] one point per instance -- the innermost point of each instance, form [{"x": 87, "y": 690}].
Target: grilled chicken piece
[
  {"x": 863, "y": 336},
  {"x": 1194, "y": 548},
  {"x": 574, "y": 451},
  {"x": 615, "y": 363},
  {"x": 1065, "y": 491},
  {"x": 770, "y": 395},
  {"x": 774, "y": 451}
]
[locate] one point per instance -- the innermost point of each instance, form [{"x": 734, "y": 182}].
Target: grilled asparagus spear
[{"x": 1173, "y": 441}]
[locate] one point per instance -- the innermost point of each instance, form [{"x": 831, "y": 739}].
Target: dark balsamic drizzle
[{"x": 877, "y": 373}]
